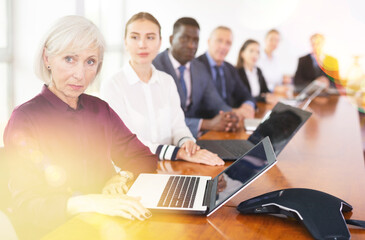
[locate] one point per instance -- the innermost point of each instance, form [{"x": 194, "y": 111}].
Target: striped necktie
[{"x": 182, "y": 80}]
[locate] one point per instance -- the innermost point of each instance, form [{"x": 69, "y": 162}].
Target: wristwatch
[{"x": 128, "y": 175}]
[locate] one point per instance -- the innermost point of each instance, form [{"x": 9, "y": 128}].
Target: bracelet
[{"x": 127, "y": 175}]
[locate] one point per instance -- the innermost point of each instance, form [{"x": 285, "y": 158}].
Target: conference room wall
[{"x": 338, "y": 20}]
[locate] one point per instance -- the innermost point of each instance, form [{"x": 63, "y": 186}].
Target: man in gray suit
[{"x": 203, "y": 107}]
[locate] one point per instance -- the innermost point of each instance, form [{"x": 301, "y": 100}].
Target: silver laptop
[
  {"x": 305, "y": 97},
  {"x": 202, "y": 194},
  {"x": 251, "y": 124}
]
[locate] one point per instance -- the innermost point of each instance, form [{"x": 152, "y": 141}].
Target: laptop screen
[
  {"x": 280, "y": 126},
  {"x": 310, "y": 89},
  {"x": 243, "y": 171}
]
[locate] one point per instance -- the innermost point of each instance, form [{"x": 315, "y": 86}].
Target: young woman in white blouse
[
  {"x": 147, "y": 99},
  {"x": 250, "y": 74}
]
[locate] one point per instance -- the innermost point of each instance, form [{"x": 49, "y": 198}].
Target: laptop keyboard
[
  {"x": 179, "y": 192},
  {"x": 234, "y": 149}
]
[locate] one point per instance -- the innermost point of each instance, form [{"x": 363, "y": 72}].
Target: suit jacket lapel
[
  {"x": 206, "y": 63},
  {"x": 310, "y": 67},
  {"x": 171, "y": 71},
  {"x": 245, "y": 79},
  {"x": 194, "y": 83},
  {"x": 261, "y": 80},
  {"x": 228, "y": 79},
  {"x": 168, "y": 64}
]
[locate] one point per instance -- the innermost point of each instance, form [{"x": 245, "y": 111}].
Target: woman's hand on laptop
[
  {"x": 112, "y": 205},
  {"x": 201, "y": 156},
  {"x": 190, "y": 147}
]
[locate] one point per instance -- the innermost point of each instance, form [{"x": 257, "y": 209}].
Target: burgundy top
[{"x": 64, "y": 152}]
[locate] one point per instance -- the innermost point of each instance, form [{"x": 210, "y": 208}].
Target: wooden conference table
[{"x": 326, "y": 155}]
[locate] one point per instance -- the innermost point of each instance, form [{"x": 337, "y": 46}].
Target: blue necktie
[
  {"x": 218, "y": 81},
  {"x": 182, "y": 80}
]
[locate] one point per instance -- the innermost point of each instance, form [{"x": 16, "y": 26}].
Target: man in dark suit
[
  {"x": 203, "y": 107},
  {"x": 225, "y": 75},
  {"x": 316, "y": 66}
]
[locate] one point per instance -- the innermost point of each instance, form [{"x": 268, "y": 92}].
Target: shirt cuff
[
  {"x": 252, "y": 104},
  {"x": 167, "y": 152},
  {"x": 185, "y": 139}
]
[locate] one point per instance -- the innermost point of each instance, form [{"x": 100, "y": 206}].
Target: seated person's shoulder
[
  {"x": 305, "y": 57},
  {"x": 202, "y": 57},
  {"x": 197, "y": 64},
  {"x": 158, "y": 58},
  {"x": 33, "y": 104},
  {"x": 164, "y": 77},
  {"x": 160, "y": 55},
  {"x": 167, "y": 83},
  {"x": 94, "y": 103},
  {"x": 39, "y": 104},
  {"x": 199, "y": 72},
  {"x": 230, "y": 67}
]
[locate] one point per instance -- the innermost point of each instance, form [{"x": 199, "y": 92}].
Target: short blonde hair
[
  {"x": 317, "y": 35},
  {"x": 68, "y": 33}
]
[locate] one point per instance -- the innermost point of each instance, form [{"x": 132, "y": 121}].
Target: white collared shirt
[
  {"x": 187, "y": 76},
  {"x": 150, "y": 110},
  {"x": 253, "y": 80},
  {"x": 272, "y": 70}
]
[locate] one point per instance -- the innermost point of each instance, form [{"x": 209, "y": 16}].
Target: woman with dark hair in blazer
[{"x": 250, "y": 74}]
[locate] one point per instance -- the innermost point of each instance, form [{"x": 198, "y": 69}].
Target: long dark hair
[{"x": 244, "y": 46}]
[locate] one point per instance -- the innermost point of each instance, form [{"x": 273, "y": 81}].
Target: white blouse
[
  {"x": 253, "y": 80},
  {"x": 150, "y": 110},
  {"x": 272, "y": 70}
]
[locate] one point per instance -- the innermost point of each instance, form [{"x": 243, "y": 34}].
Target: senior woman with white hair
[{"x": 66, "y": 142}]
